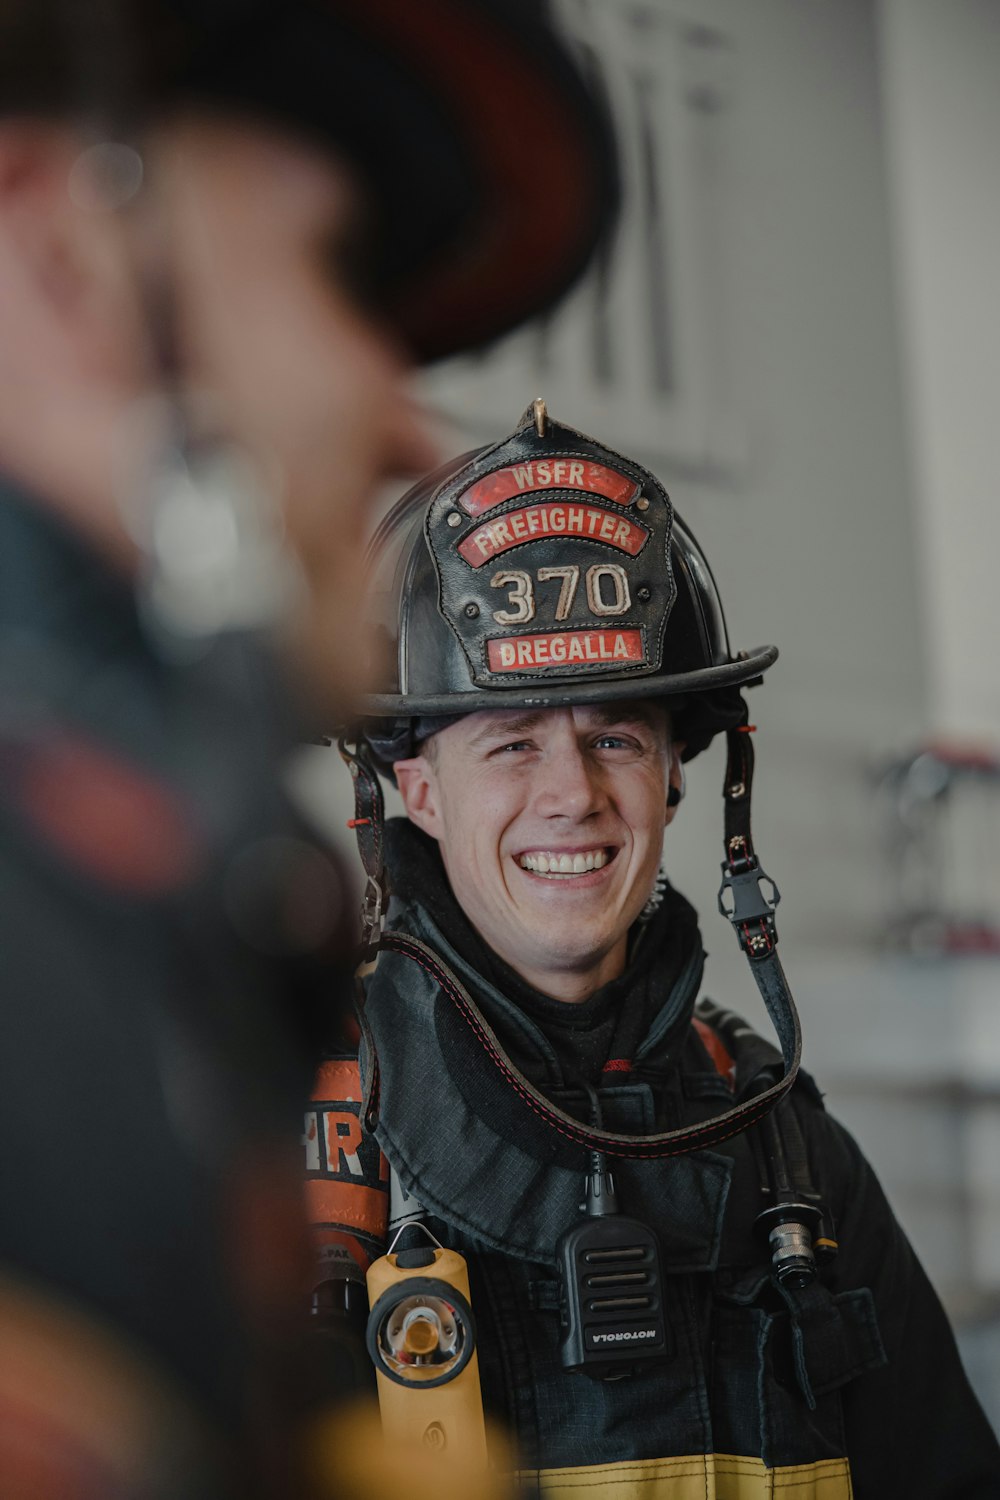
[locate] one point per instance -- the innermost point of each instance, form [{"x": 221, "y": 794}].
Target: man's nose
[{"x": 571, "y": 785}]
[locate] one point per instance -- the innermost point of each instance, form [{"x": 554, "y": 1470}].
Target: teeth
[{"x": 559, "y": 865}]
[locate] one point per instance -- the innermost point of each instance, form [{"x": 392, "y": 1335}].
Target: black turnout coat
[
  {"x": 852, "y": 1387},
  {"x": 159, "y": 995}
]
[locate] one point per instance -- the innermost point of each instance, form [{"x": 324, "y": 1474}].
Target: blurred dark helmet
[
  {"x": 543, "y": 570},
  {"x": 488, "y": 161}
]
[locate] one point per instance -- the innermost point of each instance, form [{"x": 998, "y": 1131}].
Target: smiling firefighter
[{"x": 588, "y": 1202}]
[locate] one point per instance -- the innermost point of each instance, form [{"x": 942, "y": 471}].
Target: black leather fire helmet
[{"x": 542, "y": 570}]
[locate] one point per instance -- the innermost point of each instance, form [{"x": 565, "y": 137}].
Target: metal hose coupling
[{"x": 791, "y": 1242}]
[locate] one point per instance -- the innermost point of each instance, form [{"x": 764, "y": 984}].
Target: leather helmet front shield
[
  {"x": 544, "y": 570},
  {"x": 553, "y": 561}
]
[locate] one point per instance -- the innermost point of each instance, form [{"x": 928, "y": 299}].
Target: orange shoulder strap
[
  {"x": 716, "y": 1049},
  {"x": 347, "y": 1177}
]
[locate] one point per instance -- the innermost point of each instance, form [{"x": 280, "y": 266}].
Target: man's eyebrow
[
  {"x": 506, "y": 725},
  {"x": 624, "y": 713}
]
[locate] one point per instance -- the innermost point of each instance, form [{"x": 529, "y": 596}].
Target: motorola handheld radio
[{"x": 611, "y": 1307}]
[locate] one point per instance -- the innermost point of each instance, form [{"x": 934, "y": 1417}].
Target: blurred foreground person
[
  {"x": 685, "y": 1278},
  {"x": 225, "y": 228}
]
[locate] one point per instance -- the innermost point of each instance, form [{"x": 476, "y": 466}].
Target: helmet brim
[{"x": 677, "y": 685}]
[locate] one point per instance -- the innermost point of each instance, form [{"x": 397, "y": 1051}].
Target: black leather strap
[
  {"x": 369, "y": 828},
  {"x": 741, "y": 897},
  {"x": 664, "y": 1144}
]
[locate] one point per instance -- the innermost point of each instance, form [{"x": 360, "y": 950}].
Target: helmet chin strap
[
  {"x": 741, "y": 899},
  {"x": 751, "y": 909},
  {"x": 369, "y": 829}
]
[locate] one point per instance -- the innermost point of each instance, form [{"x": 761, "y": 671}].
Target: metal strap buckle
[
  {"x": 745, "y": 904},
  {"x": 371, "y": 916}
]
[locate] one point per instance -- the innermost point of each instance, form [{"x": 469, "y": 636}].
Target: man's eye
[{"x": 621, "y": 746}]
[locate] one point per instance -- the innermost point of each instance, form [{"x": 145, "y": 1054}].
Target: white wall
[{"x": 941, "y": 66}]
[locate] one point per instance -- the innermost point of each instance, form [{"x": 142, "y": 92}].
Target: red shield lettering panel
[
  {"x": 566, "y": 650},
  {"x": 545, "y": 474},
  {"x": 538, "y": 522}
]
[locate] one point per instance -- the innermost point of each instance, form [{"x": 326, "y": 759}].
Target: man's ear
[
  {"x": 418, "y": 789},
  {"x": 676, "y": 782}
]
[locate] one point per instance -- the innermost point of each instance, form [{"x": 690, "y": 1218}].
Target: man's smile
[{"x": 561, "y": 864}]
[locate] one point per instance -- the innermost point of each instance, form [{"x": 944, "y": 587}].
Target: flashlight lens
[{"x": 422, "y": 1333}]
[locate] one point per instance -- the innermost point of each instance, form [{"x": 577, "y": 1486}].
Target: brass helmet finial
[{"x": 541, "y": 415}]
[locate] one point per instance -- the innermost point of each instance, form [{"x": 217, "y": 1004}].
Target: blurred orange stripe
[{"x": 347, "y": 1203}]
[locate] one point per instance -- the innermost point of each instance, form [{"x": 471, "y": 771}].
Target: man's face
[
  {"x": 244, "y": 237},
  {"x": 264, "y": 231},
  {"x": 550, "y": 825}
]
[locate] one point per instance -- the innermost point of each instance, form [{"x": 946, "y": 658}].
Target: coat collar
[{"x": 474, "y": 1154}]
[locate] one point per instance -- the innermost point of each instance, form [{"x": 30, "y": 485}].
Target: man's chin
[{"x": 544, "y": 962}]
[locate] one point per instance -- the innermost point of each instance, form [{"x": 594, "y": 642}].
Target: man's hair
[{"x": 429, "y": 748}]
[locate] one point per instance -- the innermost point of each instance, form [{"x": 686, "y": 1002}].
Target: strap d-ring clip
[
  {"x": 372, "y": 920},
  {"x": 745, "y": 904}
]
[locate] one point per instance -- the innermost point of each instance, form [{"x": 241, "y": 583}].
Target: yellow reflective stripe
[{"x": 708, "y": 1476}]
